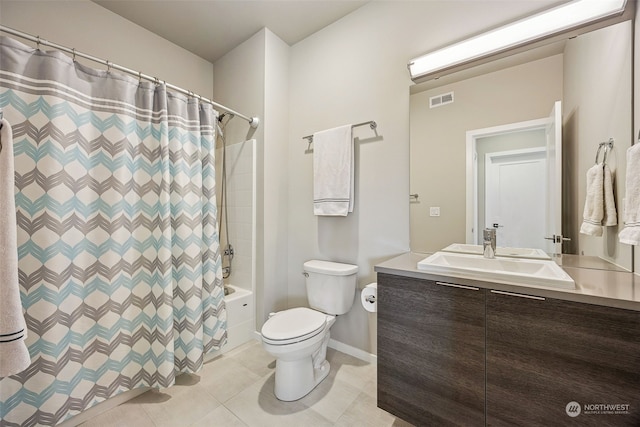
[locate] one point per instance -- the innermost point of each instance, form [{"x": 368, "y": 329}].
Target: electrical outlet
[{"x": 434, "y": 211}]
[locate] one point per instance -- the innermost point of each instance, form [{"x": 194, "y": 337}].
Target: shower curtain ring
[
  {"x": 108, "y": 66},
  {"x": 156, "y": 81},
  {"x": 73, "y": 51},
  {"x": 38, "y": 42},
  {"x": 139, "y": 76}
]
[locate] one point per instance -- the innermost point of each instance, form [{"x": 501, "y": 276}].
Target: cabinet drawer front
[
  {"x": 542, "y": 355},
  {"x": 430, "y": 352}
]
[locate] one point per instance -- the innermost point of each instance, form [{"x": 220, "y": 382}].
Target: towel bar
[{"x": 372, "y": 124}]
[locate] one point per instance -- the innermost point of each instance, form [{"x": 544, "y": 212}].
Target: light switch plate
[{"x": 434, "y": 211}]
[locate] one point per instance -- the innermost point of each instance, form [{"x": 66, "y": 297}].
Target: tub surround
[
  {"x": 455, "y": 351},
  {"x": 240, "y": 317},
  {"x": 610, "y": 288}
]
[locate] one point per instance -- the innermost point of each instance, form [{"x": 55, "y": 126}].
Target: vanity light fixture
[{"x": 545, "y": 26}]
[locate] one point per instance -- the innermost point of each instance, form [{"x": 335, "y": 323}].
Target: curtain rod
[{"x": 253, "y": 121}]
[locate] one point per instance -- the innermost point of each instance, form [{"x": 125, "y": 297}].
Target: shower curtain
[{"x": 120, "y": 272}]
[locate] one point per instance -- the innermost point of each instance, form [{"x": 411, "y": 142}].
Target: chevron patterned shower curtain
[{"x": 120, "y": 273}]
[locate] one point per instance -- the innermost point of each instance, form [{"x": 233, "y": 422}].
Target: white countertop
[{"x": 607, "y": 287}]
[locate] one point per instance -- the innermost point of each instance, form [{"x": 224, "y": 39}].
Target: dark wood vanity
[{"x": 464, "y": 353}]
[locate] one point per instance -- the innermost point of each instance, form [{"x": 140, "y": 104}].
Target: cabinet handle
[
  {"x": 471, "y": 288},
  {"x": 511, "y": 294}
]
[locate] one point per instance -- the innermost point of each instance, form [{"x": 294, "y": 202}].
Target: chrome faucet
[{"x": 489, "y": 247}]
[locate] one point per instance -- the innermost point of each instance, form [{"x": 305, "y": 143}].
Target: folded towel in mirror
[
  {"x": 631, "y": 232},
  {"x": 600, "y": 205},
  {"x": 593, "y": 213},
  {"x": 610, "y": 212}
]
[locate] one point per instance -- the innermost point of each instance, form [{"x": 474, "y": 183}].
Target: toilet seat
[{"x": 293, "y": 325}]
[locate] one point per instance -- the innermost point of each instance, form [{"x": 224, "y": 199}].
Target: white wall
[
  {"x": 351, "y": 71},
  {"x": 239, "y": 85},
  {"x": 94, "y": 30},
  {"x": 275, "y": 177},
  {"x": 253, "y": 79},
  {"x": 597, "y": 105}
]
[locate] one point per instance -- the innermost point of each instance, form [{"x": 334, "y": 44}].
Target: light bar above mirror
[{"x": 567, "y": 20}]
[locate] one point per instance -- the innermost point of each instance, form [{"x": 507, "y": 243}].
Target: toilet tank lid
[{"x": 329, "y": 267}]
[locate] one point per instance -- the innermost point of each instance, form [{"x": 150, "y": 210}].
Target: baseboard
[
  {"x": 353, "y": 351},
  {"x": 344, "y": 348},
  {"x": 103, "y": 407}
]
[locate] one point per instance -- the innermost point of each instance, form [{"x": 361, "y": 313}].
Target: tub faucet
[{"x": 489, "y": 247}]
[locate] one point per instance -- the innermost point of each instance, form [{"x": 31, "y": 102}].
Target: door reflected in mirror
[
  {"x": 509, "y": 180},
  {"x": 514, "y": 185}
]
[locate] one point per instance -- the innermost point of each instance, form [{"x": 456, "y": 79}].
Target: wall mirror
[{"x": 464, "y": 124}]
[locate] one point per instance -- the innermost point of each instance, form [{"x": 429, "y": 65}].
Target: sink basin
[
  {"x": 513, "y": 271},
  {"x": 500, "y": 251}
]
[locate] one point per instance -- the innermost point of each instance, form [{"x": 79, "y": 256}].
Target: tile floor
[{"x": 236, "y": 389}]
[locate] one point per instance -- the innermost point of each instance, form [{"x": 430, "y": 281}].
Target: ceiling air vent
[{"x": 440, "y": 100}]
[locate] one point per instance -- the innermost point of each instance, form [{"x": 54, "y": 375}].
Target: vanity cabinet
[
  {"x": 431, "y": 351},
  {"x": 460, "y": 355},
  {"x": 542, "y": 354}
]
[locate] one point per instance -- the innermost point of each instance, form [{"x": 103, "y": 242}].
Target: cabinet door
[
  {"x": 556, "y": 363},
  {"x": 431, "y": 352}
]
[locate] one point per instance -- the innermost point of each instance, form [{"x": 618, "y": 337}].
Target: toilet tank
[{"x": 331, "y": 286}]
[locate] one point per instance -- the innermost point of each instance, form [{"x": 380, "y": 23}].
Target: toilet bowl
[{"x": 298, "y": 337}]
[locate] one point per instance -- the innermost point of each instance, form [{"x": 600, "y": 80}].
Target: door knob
[{"x": 558, "y": 239}]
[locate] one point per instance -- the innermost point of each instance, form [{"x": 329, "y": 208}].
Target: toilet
[{"x": 298, "y": 337}]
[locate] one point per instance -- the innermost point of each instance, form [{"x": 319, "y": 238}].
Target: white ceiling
[{"x": 211, "y": 28}]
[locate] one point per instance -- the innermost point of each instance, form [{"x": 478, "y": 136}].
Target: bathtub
[{"x": 240, "y": 317}]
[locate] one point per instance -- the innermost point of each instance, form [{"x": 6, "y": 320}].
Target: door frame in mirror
[{"x": 472, "y": 166}]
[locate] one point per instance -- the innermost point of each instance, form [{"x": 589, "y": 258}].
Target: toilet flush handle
[{"x": 305, "y": 274}]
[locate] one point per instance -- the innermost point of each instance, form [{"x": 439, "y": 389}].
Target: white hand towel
[
  {"x": 333, "y": 172},
  {"x": 610, "y": 212},
  {"x": 594, "y": 203},
  {"x": 631, "y": 232},
  {"x": 14, "y": 355}
]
